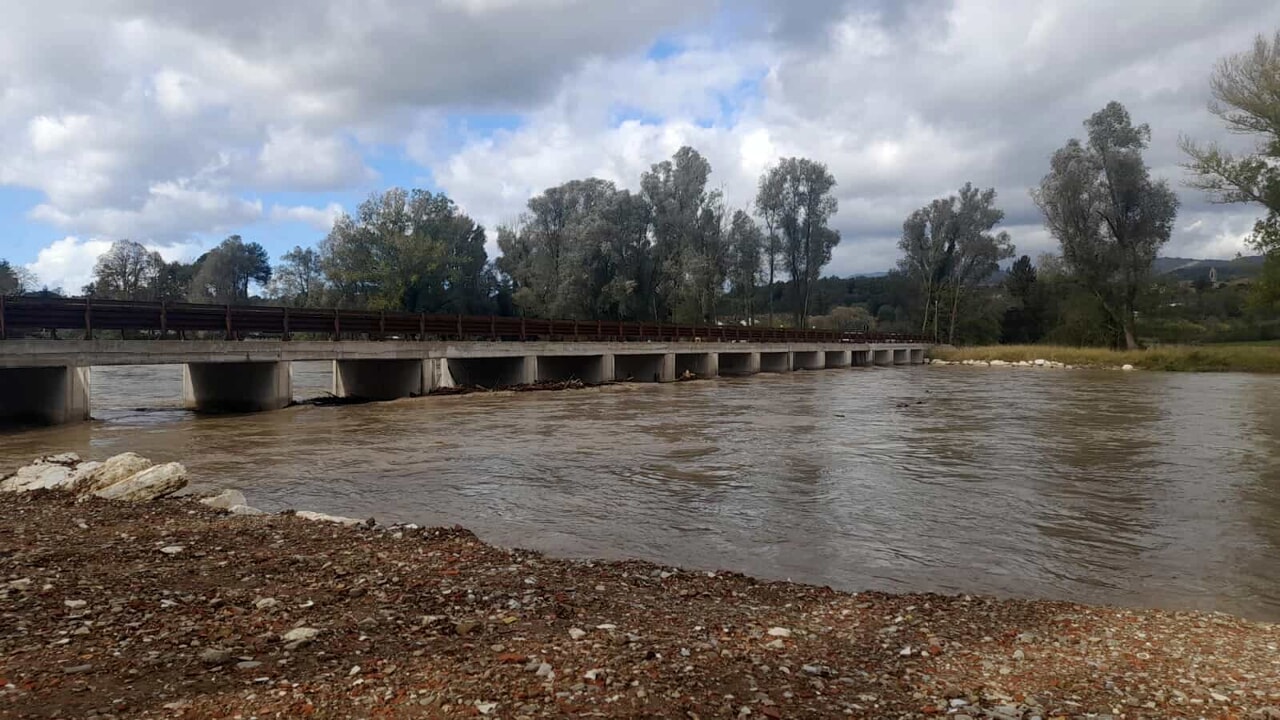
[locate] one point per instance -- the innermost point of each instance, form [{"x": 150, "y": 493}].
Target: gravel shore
[{"x": 174, "y": 609}]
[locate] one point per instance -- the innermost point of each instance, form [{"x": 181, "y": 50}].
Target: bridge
[{"x": 238, "y": 358}]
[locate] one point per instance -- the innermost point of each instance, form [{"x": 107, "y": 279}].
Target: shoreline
[
  {"x": 172, "y": 608},
  {"x": 1261, "y": 359}
]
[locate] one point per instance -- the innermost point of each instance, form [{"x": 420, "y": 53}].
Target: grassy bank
[{"x": 1182, "y": 358}]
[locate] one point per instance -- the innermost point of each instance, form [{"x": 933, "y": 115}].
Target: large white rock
[
  {"x": 115, "y": 469},
  {"x": 322, "y": 517},
  {"x": 51, "y": 472},
  {"x": 150, "y": 484},
  {"x": 225, "y": 500}
]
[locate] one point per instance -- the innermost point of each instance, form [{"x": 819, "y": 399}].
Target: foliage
[
  {"x": 796, "y": 198},
  {"x": 689, "y": 247},
  {"x": 126, "y": 271},
  {"x": 408, "y": 250},
  {"x": 223, "y": 274},
  {"x": 298, "y": 279},
  {"x": 1110, "y": 218},
  {"x": 845, "y": 318},
  {"x": 746, "y": 247},
  {"x": 14, "y": 280}
]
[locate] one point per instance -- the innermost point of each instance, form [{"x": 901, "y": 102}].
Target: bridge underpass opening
[
  {"x": 490, "y": 372},
  {"x": 861, "y": 358},
  {"x": 237, "y": 386},
  {"x": 807, "y": 360},
  {"x": 775, "y": 362},
  {"x": 917, "y": 356},
  {"x": 44, "y": 395},
  {"x": 738, "y": 364},
  {"x": 882, "y": 357},
  {"x": 644, "y": 368},
  {"x": 592, "y": 369},
  {"x": 383, "y": 379},
  {"x": 901, "y": 356},
  {"x": 704, "y": 365},
  {"x": 839, "y": 358}
]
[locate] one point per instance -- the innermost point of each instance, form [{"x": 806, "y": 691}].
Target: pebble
[
  {"x": 172, "y": 549},
  {"x": 75, "y": 604},
  {"x": 266, "y": 603},
  {"x": 779, "y": 632},
  {"x": 248, "y": 665},
  {"x": 577, "y": 633},
  {"x": 77, "y": 669}
]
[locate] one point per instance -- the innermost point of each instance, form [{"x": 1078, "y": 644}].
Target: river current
[{"x": 1142, "y": 489}]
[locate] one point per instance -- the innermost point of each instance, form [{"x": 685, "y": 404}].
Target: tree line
[{"x": 674, "y": 250}]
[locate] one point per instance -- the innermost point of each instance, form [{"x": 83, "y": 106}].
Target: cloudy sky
[{"x": 176, "y": 123}]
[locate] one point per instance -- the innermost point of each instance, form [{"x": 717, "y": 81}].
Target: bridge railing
[{"x": 20, "y": 315}]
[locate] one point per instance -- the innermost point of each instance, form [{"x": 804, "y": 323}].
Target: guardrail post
[
  {"x": 2, "y": 311},
  {"x": 164, "y": 319},
  {"x": 337, "y": 325},
  {"x": 285, "y": 324},
  {"x": 229, "y": 335},
  {"x": 382, "y": 324},
  {"x": 422, "y": 326},
  {"x": 459, "y": 327},
  {"x": 88, "y": 319},
  {"x": 522, "y": 333},
  {"x": 493, "y": 328}
]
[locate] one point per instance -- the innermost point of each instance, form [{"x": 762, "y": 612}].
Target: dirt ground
[{"x": 172, "y": 609}]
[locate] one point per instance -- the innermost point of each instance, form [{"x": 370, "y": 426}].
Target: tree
[
  {"x": 1022, "y": 321},
  {"x": 1246, "y": 92},
  {"x": 14, "y": 281},
  {"x": 688, "y": 239},
  {"x": 769, "y": 206},
  {"x": 408, "y": 250},
  {"x": 126, "y": 271},
  {"x": 1109, "y": 216},
  {"x": 298, "y": 279},
  {"x": 948, "y": 248},
  {"x": 746, "y": 246},
  {"x": 796, "y": 195},
  {"x": 223, "y": 274}
]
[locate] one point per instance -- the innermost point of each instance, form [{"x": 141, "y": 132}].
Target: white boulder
[
  {"x": 89, "y": 480},
  {"x": 47, "y": 473},
  {"x": 322, "y": 517},
  {"x": 225, "y": 500},
  {"x": 1041, "y": 362},
  {"x": 150, "y": 484},
  {"x": 1128, "y": 368},
  {"x": 999, "y": 363},
  {"x": 244, "y": 510}
]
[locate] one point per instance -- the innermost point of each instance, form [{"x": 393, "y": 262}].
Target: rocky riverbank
[{"x": 175, "y": 608}]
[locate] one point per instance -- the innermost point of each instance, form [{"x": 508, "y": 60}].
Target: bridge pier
[
  {"x": 384, "y": 379},
  {"x": 44, "y": 395},
  {"x": 489, "y": 372},
  {"x": 644, "y": 368},
  {"x": 839, "y": 358},
  {"x": 808, "y": 360},
  {"x": 217, "y": 387},
  {"x": 882, "y": 357},
  {"x": 775, "y": 362},
  {"x": 587, "y": 368},
  {"x": 738, "y": 364},
  {"x": 703, "y": 364}
]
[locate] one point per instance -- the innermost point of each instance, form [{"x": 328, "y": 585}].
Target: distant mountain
[{"x": 1190, "y": 269}]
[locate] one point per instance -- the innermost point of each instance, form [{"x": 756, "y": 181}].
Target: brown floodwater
[{"x": 1142, "y": 489}]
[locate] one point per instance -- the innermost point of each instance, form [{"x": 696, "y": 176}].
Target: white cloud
[
  {"x": 68, "y": 263},
  {"x": 318, "y": 218}
]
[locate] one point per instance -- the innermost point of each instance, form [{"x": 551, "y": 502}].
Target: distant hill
[{"x": 1191, "y": 269}]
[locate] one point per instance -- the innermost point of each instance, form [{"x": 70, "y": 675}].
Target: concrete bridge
[{"x": 47, "y": 381}]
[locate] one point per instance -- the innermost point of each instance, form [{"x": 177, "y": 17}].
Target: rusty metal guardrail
[{"x": 240, "y": 321}]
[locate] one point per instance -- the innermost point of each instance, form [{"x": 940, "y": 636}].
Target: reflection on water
[{"x": 1133, "y": 488}]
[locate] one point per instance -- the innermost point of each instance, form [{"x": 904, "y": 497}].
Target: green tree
[
  {"x": 1246, "y": 92},
  {"x": 746, "y": 247},
  {"x": 298, "y": 280},
  {"x": 1109, "y": 216},
  {"x": 688, "y": 239},
  {"x": 1023, "y": 320},
  {"x": 408, "y": 250},
  {"x": 795, "y": 198},
  {"x": 126, "y": 271},
  {"x": 224, "y": 273}
]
